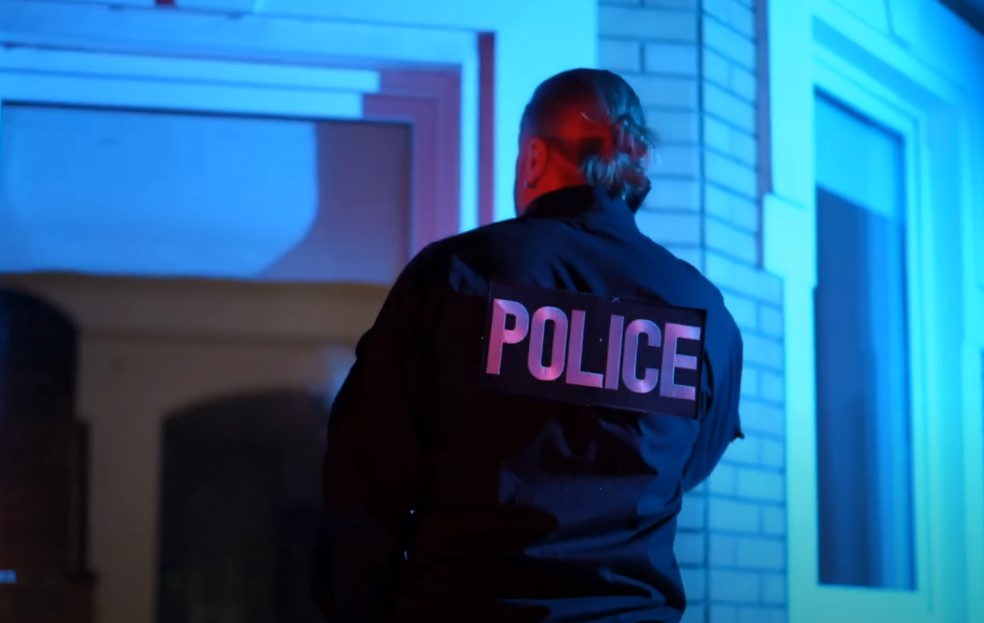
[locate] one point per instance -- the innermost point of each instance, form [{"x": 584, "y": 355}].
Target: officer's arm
[
  {"x": 720, "y": 423},
  {"x": 373, "y": 467}
]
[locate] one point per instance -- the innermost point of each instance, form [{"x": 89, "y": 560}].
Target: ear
[{"x": 535, "y": 161}]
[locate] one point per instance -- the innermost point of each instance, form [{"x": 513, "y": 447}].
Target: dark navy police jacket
[{"x": 457, "y": 491}]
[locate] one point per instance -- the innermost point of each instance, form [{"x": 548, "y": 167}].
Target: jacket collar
[{"x": 582, "y": 203}]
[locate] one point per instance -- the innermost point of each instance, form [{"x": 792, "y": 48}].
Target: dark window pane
[{"x": 863, "y": 444}]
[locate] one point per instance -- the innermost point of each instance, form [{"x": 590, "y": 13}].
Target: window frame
[
  {"x": 129, "y": 82},
  {"x": 842, "y": 82},
  {"x": 867, "y": 70}
]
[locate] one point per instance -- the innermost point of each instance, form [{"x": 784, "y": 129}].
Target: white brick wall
[
  {"x": 693, "y": 63},
  {"x": 646, "y": 24},
  {"x": 670, "y": 58},
  {"x": 623, "y": 56}
]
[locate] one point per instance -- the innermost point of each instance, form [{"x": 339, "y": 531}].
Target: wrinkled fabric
[{"x": 448, "y": 501}]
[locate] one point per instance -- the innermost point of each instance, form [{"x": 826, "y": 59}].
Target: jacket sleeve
[
  {"x": 374, "y": 465},
  {"x": 720, "y": 423}
]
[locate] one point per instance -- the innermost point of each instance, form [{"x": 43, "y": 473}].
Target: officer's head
[{"x": 583, "y": 126}]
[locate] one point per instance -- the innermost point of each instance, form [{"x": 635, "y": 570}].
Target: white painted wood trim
[
  {"x": 208, "y": 98},
  {"x": 293, "y": 40},
  {"x": 485, "y": 16},
  {"x": 930, "y": 106},
  {"x": 142, "y": 67},
  {"x": 973, "y": 467}
]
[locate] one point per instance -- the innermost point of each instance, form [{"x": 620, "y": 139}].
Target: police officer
[{"x": 533, "y": 400}]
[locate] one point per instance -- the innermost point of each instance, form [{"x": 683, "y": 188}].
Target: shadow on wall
[
  {"x": 240, "y": 509},
  {"x": 42, "y": 467}
]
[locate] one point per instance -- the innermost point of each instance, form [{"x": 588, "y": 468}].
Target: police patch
[{"x": 593, "y": 350}]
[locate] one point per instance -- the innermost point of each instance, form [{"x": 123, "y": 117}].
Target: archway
[
  {"x": 42, "y": 465},
  {"x": 240, "y": 508}
]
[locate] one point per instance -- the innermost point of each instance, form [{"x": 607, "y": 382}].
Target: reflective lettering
[
  {"x": 575, "y": 375},
  {"x": 550, "y": 344},
  {"x": 614, "y": 351},
  {"x": 553, "y": 370},
  {"x": 501, "y": 309},
  {"x": 630, "y": 359},
  {"x": 672, "y": 361}
]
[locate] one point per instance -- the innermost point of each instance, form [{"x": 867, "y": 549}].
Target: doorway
[
  {"x": 241, "y": 508},
  {"x": 194, "y": 249}
]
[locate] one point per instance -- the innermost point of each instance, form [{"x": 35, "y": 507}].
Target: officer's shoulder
[
  {"x": 708, "y": 295},
  {"x": 668, "y": 264},
  {"x": 492, "y": 231},
  {"x": 435, "y": 256},
  {"x": 488, "y": 238}
]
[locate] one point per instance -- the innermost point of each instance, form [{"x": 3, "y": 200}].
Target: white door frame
[{"x": 921, "y": 91}]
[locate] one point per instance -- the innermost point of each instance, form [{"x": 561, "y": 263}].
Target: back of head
[{"x": 595, "y": 119}]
